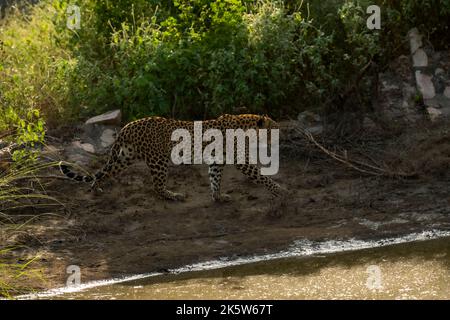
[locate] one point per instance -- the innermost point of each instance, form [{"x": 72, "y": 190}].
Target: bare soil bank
[{"x": 127, "y": 229}]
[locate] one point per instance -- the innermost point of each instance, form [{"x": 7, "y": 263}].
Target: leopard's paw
[
  {"x": 281, "y": 190},
  {"x": 222, "y": 198},
  {"x": 178, "y": 196}
]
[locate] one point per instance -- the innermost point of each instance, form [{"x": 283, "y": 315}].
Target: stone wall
[{"x": 432, "y": 75}]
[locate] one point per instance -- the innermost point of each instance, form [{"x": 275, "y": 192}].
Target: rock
[
  {"x": 443, "y": 102},
  {"x": 85, "y": 146},
  {"x": 433, "y": 103},
  {"x": 100, "y": 136},
  {"x": 447, "y": 92},
  {"x": 308, "y": 117},
  {"x": 415, "y": 40},
  {"x": 425, "y": 85},
  {"x": 75, "y": 153},
  {"x": 112, "y": 118},
  {"x": 433, "y": 113},
  {"x": 439, "y": 83},
  {"x": 107, "y": 138},
  {"x": 88, "y": 147},
  {"x": 420, "y": 58},
  {"x": 439, "y": 71},
  {"x": 315, "y": 130},
  {"x": 438, "y": 102}
]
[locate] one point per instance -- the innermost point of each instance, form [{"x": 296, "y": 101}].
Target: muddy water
[{"x": 417, "y": 270}]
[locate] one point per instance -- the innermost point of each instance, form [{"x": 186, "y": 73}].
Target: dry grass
[{"x": 22, "y": 194}]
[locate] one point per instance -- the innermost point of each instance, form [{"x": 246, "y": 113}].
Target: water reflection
[{"x": 419, "y": 270}]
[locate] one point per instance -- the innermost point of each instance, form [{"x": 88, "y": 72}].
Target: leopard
[{"x": 149, "y": 140}]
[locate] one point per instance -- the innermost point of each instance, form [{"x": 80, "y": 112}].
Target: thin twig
[{"x": 355, "y": 164}]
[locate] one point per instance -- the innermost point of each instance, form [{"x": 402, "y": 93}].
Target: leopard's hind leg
[
  {"x": 120, "y": 157},
  {"x": 159, "y": 170}
]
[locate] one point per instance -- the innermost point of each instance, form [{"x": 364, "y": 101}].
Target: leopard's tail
[
  {"x": 78, "y": 177},
  {"x": 114, "y": 164}
]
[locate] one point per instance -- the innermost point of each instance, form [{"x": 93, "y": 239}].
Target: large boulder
[
  {"x": 107, "y": 137},
  {"x": 95, "y": 136},
  {"x": 98, "y": 138},
  {"x": 425, "y": 85},
  {"x": 113, "y": 117},
  {"x": 420, "y": 58},
  {"x": 99, "y": 132},
  {"x": 415, "y": 40},
  {"x": 432, "y": 76}
]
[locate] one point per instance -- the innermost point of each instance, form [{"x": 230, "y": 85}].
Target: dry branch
[{"x": 357, "y": 165}]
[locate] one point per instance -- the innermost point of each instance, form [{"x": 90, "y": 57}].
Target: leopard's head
[{"x": 265, "y": 122}]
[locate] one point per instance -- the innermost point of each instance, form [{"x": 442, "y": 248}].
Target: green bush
[
  {"x": 198, "y": 58},
  {"x": 33, "y": 66},
  {"x": 205, "y": 59},
  {"x": 430, "y": 16},
  {"x": 211, "y": 57}
]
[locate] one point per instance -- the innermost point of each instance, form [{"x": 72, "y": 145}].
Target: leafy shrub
[
  {"x": 206, "y": 59},
  {"x": 430, "y": 16},
  {"x": 33, "y": 67},
  {"x": 28, "y": 130},
  {"x": 198, "y": 58}
]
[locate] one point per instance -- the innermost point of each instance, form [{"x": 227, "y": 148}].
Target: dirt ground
[{"x": 128, "y": 230}]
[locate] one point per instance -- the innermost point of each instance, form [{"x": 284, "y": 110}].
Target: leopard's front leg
[{"x": 215, "y": 179}]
